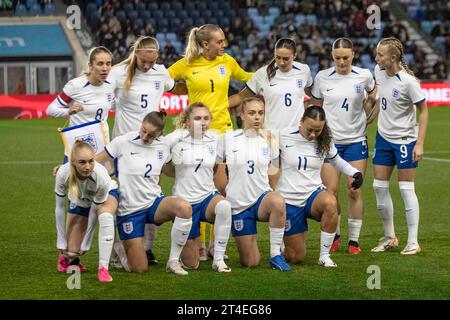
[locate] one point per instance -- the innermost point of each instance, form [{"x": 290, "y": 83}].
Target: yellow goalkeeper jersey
[{"x": 208, "y": 81}]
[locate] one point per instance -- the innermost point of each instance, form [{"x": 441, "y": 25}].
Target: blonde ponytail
[
  {"x": 196, "y": 37},
  {"x": 142, "y": 44}
]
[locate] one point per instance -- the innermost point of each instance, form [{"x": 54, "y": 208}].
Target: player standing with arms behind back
[{"x": 399, "y": 141}]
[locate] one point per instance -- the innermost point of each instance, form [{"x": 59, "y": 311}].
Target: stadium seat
[
  {"x": 49, "y": 9},
  {"x": 170, "y": 14},
  {"x": 128, "y": 7},
  {"x": 171, "y": 36},
  {"x": 219, "y": 13},
  {"x": 199, "y": 21},
  {"x": 163, "y": 25},
  {"x": 175, "y": 23},
  {"x": 224, "y": 22},
  {"x": 161, "y": 37},
  {"x": 91, "y": 7},
  {"x": 31, "y": 3},
  {"x": 212, "y": 20},
  {"x": 201, "y": 6},
  {"x": 21, "y": 10},
  {"x": 194, "y": 14},
  {"x": 133, "y": 15},
  {"x": 426, "y": 26},
  {"x": 182, "y": 14},
  {"x": 151, "y": 21},
  {"x": 140, "y": 6},
  {"x": 152, "y": 6},
  {"x": 158, "y": 14},
  {"x": 121, "y": 16},
  {"x": 274, "y": 11},
  {"x": 165, "y": 6},
  {"x": 189, "y": 6},
  {"x": 311, "y": 19},
  {"x": 206, "y": 14},
  {"x": 35, "y": 10},
  {"x": 252, "y": 12},
  {"x": 177, "y": 6},
  {"x": 138, "y": 23},
  {"x": 144, "y": 14}
]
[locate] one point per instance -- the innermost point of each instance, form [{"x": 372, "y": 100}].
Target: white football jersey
[
  {"x": 343, "y": 97},
  {"x": 283, "y": 94},
  {"x": 300, "y": 166},
  {"x": 194, "y": 161},
  {"x": 91, "y": 190},
  {"x": 96, "y": 100},
  {"x": 139, "y": 167},
  {"x": 248, "y": 161},
  {"x": 398, "y": 98},
  {"x": 143, "y": 97}
]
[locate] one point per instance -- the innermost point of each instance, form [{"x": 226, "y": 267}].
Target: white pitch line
[
  {"x": 28, "y": 162},
  {"x": 436, "y": 159}
]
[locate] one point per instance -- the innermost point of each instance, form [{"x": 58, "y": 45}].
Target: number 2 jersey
[{"x": 140, "y": 166}]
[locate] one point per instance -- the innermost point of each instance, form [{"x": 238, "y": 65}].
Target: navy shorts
[
  {"x": 244, "y": 223},
  {"x": 296, "y": 216},
  {"x": 353, "y": 151},
  {"x": 133, "y": 225},
  {"x": 199, "y": 214},
  {"x": 391, "y": 154},
  {"x": 81, "y": 211}
]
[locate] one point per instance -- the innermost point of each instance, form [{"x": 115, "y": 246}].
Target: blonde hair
[
  {"x": 266, "y": 133},
  {"x": 93, "y": 53},
  {"x": 73, "y": 178},
  {"x": 183, "y": 118},
  {"x": 395, "y": 48},
  {"x": 142, "y": 44},
  {"x": 197, "y": 36}
]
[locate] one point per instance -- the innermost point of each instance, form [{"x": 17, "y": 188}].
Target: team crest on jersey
[
  {"x": 238, "y": 224},
  {"x": 358, "y": 88},
  {"x": 316, "y": 151},
  {"x": 265, "y": 151},
  {"x": 157, "y": 85},
  {"x": 395, "y": 93},
  {"x": 90, "y": 139},
  {"x": 299, "y": 83},
  {"x": 72, "y": 205},
  {"x": 222, "y": 70},
  {"x": 160, "y": 154},
  {"x": 127, "y": 227},
  {"x": 288, "y": 225},
  {"x": 211, "y": 150},
  {"x": 109, "y": 97}
]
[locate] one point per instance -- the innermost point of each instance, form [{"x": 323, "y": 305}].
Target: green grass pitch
[{"x": 30, "y": 149}]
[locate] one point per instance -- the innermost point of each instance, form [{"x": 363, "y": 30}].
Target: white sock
[
  {"x": 412, "y": 209},
  {"x": 222, "y": 227},
  {"x": 276, "y": 239},
  {"x": 149, "y": 236},
  {"x": 60, "y": 217},
  {"x": 326, "y": 240},
  {"x": 179, "y": 235},
  {"x": 338, "y": 227},
  {"x": 92, "y": 223},
  {"x": 354, "y": 228},
  {"x": 122, "y": 254},
  {"x": 105, "y": 238},
  {"x": 385, "y": 206}
]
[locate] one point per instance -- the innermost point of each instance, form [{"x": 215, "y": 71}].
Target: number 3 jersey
[
  {"x": 343, "y": 97},
  {"x": 139, "y": 167},
  {"x": 300, "y": 166},
  {"x": 248, "y": 160}
]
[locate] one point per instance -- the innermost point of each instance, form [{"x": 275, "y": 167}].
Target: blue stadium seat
[
  {"x": 161, "y": 37},
  {"x": 91, "y": 7},
  {"x": 165, "y": 6},
  {"x": 158, "y": 14},
  {"x": 311, "y": 19},
  {"x": 151, "y": 21},
  {"x": 182, "y": 14},
  {"x": 219, "y": 13},
  {"x": 35, "y": 10},
  {"x": 138, "y": 23},
  {"x": 189, "y": 6},
  {"x": 171, "y": 36},
  {"x": 121, "y": 16},
  {"x": 426, "y": 26},
  {"x": 170, "y": 14},
  {"x": 21, "y": 10},
  {"x": 212, "y": 20},
  {"x": 252, "y": 12},
  {"x": 177, "y": 6},
  {"x": 31, "y": 3},
  {"x": 199, "y": 21},
  {"x": 141, "y": 6},
  {"x": 128, "y": 7},
  {"x": 144, "y": 14},
  {"x": 152, "y": 6},
  {"x": 49, "y": 9},
  {"x": 133, "y": 15},
  {"x": 224, "y": 22},
  {"x": 274, "y": 11},
  {"x": 201, "y": 6},
  {"x": 206, "y": 14},
  {"x": 194, "y": 14},
  {"x": 163, "y": 25}
]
